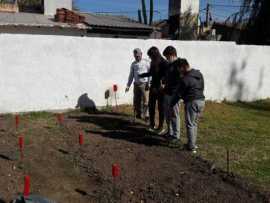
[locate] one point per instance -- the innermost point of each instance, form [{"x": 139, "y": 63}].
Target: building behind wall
[
  {"x": 50, "y": 6},
  {"x": 183, "y": 19},
  {"x": 38, "y": 17}
]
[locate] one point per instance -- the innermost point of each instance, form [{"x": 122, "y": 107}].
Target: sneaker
[
  {"x": 194, "y": 151},
  {"x": 186, "y": 146},
  {"x": 173, "y": 141},
  {"x": 151, "y": 129},
  {"x": 162, "y": 132}
]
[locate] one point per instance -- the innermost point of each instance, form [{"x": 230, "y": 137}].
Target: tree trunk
[
  {"x": 140, "y": 16},
  {"x": 144, "y": 12},
  {"x": 151, "y": 12}
]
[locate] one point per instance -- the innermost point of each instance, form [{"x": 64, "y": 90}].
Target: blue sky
[{"x": 130, "y": 7}]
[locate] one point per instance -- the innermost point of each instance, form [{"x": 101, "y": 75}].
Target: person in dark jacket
[
  {"x": 171, "y": 82},
  {"x": 191, "y": 90},
  {"x": 157, "y": 70}
]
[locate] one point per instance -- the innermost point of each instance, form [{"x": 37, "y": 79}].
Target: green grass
[{"x": 241, "y": 128}]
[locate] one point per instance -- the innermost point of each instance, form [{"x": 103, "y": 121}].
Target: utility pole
[{"x": 207, "y": 14}]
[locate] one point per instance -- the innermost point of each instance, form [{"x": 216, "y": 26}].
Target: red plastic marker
[
  {"x": 60, "y": 118},
  {"x": 115, "y": 170},
  {"x": 17, "y": 121},
  {"x": 81, "y": 140},
  {"x": 115, "y": 88},
  {"x": 26, "y": 191},
  {"x": 21, "y": 142}
]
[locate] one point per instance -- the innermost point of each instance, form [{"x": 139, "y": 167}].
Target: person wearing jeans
[
  {"x": 171, "y": 82},
  {"x": 191, "y": 90},
  {"x": 172, "y": 117},
  {"x": 193, "y": 110},
  {"x": 141, "y": 85}
]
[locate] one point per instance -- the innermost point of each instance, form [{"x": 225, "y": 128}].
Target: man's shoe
[
  {"x": 162, "y": 132},
  {"x": 186, "y": 146},
  {"x": 173, "y": 142},
  {"x": 194, "y": 151},
  {"x": 151, "y": 129}
]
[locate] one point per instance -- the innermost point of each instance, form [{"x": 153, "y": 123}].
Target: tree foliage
[{"x": 256, "y": 15}]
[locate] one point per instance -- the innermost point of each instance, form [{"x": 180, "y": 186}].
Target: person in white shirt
[{"x": 141, "y": 85}]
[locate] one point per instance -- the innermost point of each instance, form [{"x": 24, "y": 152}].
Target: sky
[{"x": 220, "y": 9}]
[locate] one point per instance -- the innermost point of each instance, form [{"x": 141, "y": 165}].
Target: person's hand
[
  {"x": 162, "y": 86},
  {"x": 147, "y": 87},
  {"x": 127, "y": 89}
]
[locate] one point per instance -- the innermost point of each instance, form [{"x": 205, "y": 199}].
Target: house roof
[
  {"x": 91, "y": 20},
  {"x": 112, "y": 21},
  {"x": 33, "y": 19}
]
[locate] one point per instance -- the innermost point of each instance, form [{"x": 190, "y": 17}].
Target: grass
[{"x": 243, "y": 129}]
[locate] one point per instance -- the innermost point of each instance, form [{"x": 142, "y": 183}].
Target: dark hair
[
  {"x": 153, "y": 52},
  {"x": 181, "y": 62},
  {"x": 170, "y": 51}
]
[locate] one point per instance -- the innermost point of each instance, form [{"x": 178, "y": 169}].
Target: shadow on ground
[{"x": 117, "y": 126}]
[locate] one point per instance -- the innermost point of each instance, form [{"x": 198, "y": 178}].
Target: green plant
[{"x": 143, "y": 13}]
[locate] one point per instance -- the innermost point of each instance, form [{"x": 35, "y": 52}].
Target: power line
[{"x": 228, "y": 6}]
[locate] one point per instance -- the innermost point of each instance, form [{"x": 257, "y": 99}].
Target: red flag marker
[
  {"x": 60, "y": 118},
  {"x": 115, "y": 88},
  {"x": 115, "y": 170},
  {"x": 17, "y": 121},
  {"x": 81, "y": 140},
  {"x": 21, "y": 142},
  {"x": 26, "y": 191}
]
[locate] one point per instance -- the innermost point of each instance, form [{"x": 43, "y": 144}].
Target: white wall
[{"x": 52, "y": 72}]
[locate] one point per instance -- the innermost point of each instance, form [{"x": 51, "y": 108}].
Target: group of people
[{"x": 165, "y": 81}]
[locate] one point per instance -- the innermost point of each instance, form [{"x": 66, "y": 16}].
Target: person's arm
[
  {"x": 149, "y": 78},
  {"x": 145, "y": 75},
  {"x": 130, "y": 78}
]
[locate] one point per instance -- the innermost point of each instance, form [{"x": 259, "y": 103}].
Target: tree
[
  {"x": 143, "y": 12},
  {"x": 256, "y": 15}
]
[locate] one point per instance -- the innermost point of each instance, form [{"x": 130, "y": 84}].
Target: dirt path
[{"x": 150, "y": 171}]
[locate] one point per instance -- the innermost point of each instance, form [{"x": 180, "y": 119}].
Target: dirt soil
[{"x": 151, "y": 172}]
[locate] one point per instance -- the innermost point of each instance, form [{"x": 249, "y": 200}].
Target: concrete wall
[{"x": 54, "y": 72}]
